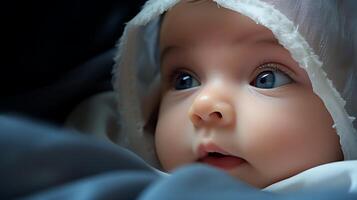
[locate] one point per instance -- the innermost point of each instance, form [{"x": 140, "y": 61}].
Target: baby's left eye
[{"x": 271, "y": 78}]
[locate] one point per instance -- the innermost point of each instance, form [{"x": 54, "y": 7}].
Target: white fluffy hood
[{"x": 315, "y": 32}]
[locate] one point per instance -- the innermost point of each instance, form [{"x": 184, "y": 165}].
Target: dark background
[{"x": 57, "y": 53}]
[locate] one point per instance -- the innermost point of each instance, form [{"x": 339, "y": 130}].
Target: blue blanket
[{"x": 39, "y": 161}]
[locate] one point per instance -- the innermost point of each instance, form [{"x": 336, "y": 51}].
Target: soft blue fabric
[{"x": 43, "y": 162}]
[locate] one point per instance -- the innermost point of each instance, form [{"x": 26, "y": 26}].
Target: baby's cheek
[
  {"x": 164, "y": 142},
  {"x": 270, "y": 136},
  {"x": 288, "y": 137},
  {"x": 171, "y": 138},
  {"x": 274, "y": 134}
]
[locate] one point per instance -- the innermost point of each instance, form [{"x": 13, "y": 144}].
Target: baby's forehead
[{"x": 189, "y": 24}]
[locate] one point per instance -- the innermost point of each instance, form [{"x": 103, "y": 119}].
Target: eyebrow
[
  {"x": 167, "y": 50},
  {"x": 259, "y": 38},
  {"x": 272, "y": 41},
  {"x": 264, "y": 40}
]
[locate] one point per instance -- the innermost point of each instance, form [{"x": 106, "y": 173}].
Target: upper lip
[{"x": 205, "y": 148}]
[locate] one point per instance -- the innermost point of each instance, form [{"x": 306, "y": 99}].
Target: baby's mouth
[
  {"x": 225, "y": 162},
  {"x": 213, "y": 155}
]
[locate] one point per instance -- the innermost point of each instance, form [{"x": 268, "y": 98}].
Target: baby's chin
[
  {"x": 244, "y": 172},
  {"x": 248, "y": 175}
]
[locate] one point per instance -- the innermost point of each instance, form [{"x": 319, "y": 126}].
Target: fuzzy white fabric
[{"x": 337, "y": 175}]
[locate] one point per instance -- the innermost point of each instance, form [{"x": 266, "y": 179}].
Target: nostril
[
  {"x": 216, "y": 115},
  {"x": 196, "y": 119}
]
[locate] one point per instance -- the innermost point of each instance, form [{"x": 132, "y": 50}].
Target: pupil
[
  {"x": 184, "y": 81},
  {"x": 266, "y": 80}
]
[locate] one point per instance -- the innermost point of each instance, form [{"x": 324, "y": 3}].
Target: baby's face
[{"x": 234, "y": 98}]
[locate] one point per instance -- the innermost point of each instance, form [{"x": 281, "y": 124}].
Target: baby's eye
[
  {"x": 271, "y": 78},
  {"x": 184, "y": 80}
]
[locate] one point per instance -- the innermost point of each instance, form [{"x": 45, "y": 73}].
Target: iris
[
  {"x": 184, "y": 81},
  {"x": 271, "y": 79}
]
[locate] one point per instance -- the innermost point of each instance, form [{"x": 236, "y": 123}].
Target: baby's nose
[{"x": 211, "y": 110}]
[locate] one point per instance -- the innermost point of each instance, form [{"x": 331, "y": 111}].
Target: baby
[
  {"x": 240, "y": 85},
  {"x": 234, "y": 98}
]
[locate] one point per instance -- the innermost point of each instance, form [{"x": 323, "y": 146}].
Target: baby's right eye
[{"x": 184, "y": 80}]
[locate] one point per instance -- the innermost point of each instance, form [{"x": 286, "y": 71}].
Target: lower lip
[{"x": 226, "y": 162}]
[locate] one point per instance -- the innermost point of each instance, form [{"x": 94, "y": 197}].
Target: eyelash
[{"x": 266, "y": 65}]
